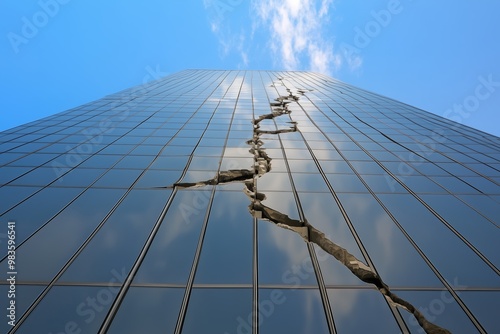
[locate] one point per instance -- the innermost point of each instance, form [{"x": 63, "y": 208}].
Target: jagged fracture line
[
  {"x": 307, "y": 231},
  {"x": 262, "y": 160},
  {"x": 310, "y": 234}
]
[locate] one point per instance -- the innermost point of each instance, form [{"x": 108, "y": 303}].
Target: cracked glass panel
[
  {"x": 440, "y": 308},
  {"x": 396, "y": 260},
  {"x": 283, "y": 257},
  {"x": 361, "y": 311}
]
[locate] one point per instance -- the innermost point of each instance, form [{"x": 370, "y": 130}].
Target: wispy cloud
[
  {"x": 297, "y": 33},
  {"x": 231, "y": 37}
]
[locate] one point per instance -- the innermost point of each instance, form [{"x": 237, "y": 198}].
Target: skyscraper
[{"x": 249, "y": 202}]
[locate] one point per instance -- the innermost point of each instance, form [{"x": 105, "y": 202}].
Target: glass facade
[{"x": 249, "y": 202}]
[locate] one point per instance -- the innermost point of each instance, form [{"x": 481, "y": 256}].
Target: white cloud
[{"x": 297, "y": 33}]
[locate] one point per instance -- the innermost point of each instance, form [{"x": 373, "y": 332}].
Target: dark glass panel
[
  {"x": 421, "y": 184},
  {"x": 204, "y": 163},
  {"x": 451, "y": 256},
  {"x": 305, "y": 182},
  {"x": 322, "y": 212},
  {"x": 37, "y": 177},
  {"x": 454, "y": 185},
  {"x": 219, "y": 311},
  {"x": 65, "y": 233},
  {"x": 482, "y": 184},
  {"x": 302, "y": 166},
  {"x": 34, "y": 159},
  {"x": 346, "y": 183},
  {"x": 24, "y": 297},
  {"x": 170, "y": 163},
  {"x": 438, "y": 307},
  {"x": 47, "y": 202},
  {"x": 70, "y": 309},
  {"x": 383, "y": 184},
  {"x": 335, "y": 167},
  {"x": 170, "y": 257},
  {"x": 395, "y": 259},
  {"x": 226, "y": 255},
  {"x": 485, "y": 205},
  {"x": 148, "y": 310},
  {"x": 367, "y": 167},
  {"x": 476, "y": 229},
  {"x": 79, "y": 177},
  {"x": 100, "y": 161},
  {"x": 274, "y": 181},
  {"x": 291, "y": 311},
  {"x": 484, "y": 305},
  {"x": 118, "y": 178},
  {"x": 283, "y": 257},
  {"x": 361, "y": 311},
  {"x": 12, "y": 195},
  {"x": 118, "y": 243},
  {"x": 158, "y": 178},
  {"x": 134, "y": 161},
  {"x": 8, "y": 174}
]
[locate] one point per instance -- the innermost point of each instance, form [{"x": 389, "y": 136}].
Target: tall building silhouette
[{"x": 249, "y": 202}]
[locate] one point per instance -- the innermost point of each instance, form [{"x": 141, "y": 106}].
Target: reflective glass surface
[
  {"x": 219, "y": 311},
  {"x": 250, "y": 202},
  {"x": 160, "y": 306},
  {"x": 361, "y": 311}
]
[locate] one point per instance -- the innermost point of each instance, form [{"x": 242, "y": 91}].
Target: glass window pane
[
  {"x": 67, "y": 231},
  {"x": 12, "y": 195},
  {"x": 226, "y": 255},
  {"x": 25, "y": 295},
  {"x": 121, "y": 238},
  {"x": 361, "y": 311},
  {"x": 440, "y": 308},
  {"x": 291, "y": 311},
  {"x": 70, "y": 309},
  {"x": 451, "y": 256},
  {"x": 219, "y": 311},
  {"x": 47, "y": 202},
  {"x": 160, "y": 306},
  {"x": 484, "y": 305},
  {"x": 170, "y": 257},
  {"x": 395, "y": 259}
]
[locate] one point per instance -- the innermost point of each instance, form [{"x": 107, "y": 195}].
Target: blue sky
[{"x": 442, "y": 56}]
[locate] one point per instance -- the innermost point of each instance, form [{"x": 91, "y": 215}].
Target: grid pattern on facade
[{"x": 125, "y": 225}]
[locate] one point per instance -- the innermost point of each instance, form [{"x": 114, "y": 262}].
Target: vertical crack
[{"x": 310, "y": 234}]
